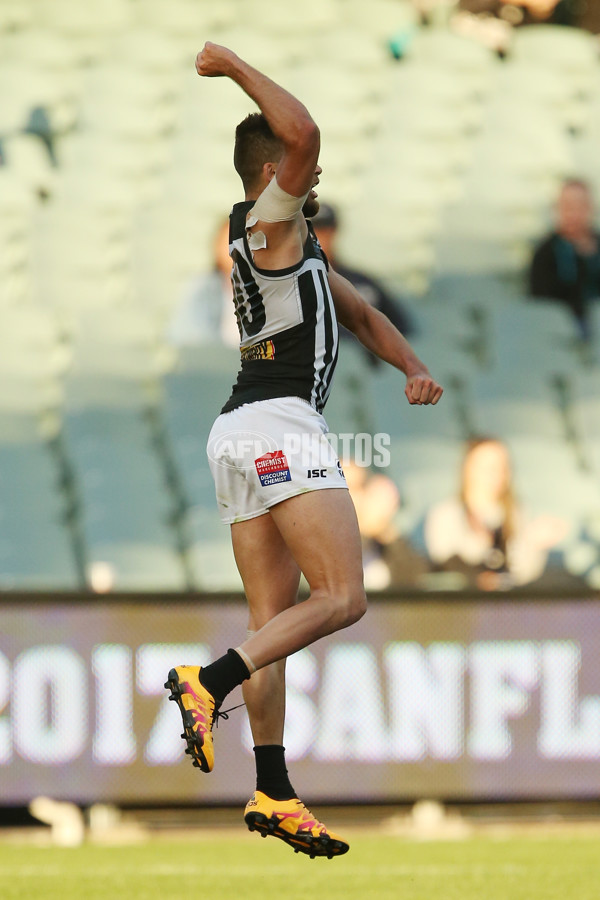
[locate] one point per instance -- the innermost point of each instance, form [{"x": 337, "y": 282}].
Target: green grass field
[{"x": 376, "y": 868}]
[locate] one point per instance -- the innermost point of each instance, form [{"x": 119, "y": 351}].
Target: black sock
[
  {"x": 224, "y": 674},
  {"x": 271, "y": 774}
]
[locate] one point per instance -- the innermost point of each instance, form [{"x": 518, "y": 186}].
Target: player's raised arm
[
  {"x": 381, "y": 337},
  {"x": 288, "y": 118}
]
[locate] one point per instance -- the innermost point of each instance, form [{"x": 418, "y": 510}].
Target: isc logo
[{"x": 316, "y": 473}]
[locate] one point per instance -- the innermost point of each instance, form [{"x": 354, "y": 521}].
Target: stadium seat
[
  {"x": 584, "y": 395},
  {"x": 128, "y": 121},
  {"x": 468, "y": 291},
  {"x": 411, "y": 264},
  {"x": 15, "y": 14},
  {"x": 95, "y": 390},
  {"x": 536, "y": 335},
  {"x": 350, "y": 46},
  {"x": 26, "y": 86},
  {"x": 45, "y": 49},
  {"x": 138, "y": 565},
  {"x": 584, "y": 146},
  {"x": 29, "y": 161},
  {"x": 38, "y": 557},
  {"x": 426, "y": 472},
  {"x": 35, "y": 545},
  {"x": 283, "y": 19},
  {"x": 122, "y": 343},
  {"x": 574, "y": 495},
  {"x": 30, "y": 394},
  {"x": 183, "y": 18},
  {"x": 115, "y": 156},
  {"x": 15, "y": 248},
  {"x": 211, "y": 556},
  {"x": 120, "y": 83},
  {"x": 383, "y": 20},
  {"x": 31, "y": 363},
  {"x": 544, "y": 87},
  {"x": 584, "y": 158},
  {"x": 75, "y": 20},
  {"x": 420, "y": 157},
  {"x": 427, "y": 117},
  {"x": 127, "y": 509},
  {"x": 403, "y": 214},
  {"x": 174, "y": 241},
  {"x": 503, "y": 206},
  {"x": 433, "y": 85},
  {"x": 502, "y": 405},
  {"x": 572, "y": 52},
  {"x": 460, "y": 249},
  {"x": 192, "y": 401},
  {"x": 439, "y": 47}
]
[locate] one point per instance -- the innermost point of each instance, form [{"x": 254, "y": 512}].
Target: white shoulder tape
[
  {"x": 275, "y": 205},
  {"x": 257, "y": 241}
]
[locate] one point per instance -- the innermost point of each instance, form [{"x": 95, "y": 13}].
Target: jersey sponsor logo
[
  {"x": 272, "y": 468},
  {"x": 262, "y": 350},
  {"x": 316, "y": 473}
]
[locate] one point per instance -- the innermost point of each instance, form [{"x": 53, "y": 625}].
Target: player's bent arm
[
  {"x": 381, "y": 337},
  {"x": 289, "y": 119}
]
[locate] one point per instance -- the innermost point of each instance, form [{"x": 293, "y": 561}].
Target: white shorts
[{"x": 264, "y": 452}]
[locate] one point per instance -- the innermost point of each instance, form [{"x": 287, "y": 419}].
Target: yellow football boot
[
  {"x": 198, "y": 711},
  {"x": 291, "y": 821}
]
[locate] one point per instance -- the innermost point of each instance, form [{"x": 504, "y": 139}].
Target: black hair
[{"x": 255, "y": 145}]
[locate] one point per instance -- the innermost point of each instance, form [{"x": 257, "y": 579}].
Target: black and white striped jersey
[{"x": 287, "y": 323}]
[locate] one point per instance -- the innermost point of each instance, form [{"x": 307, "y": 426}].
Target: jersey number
[{"x": 249, "y": 304}]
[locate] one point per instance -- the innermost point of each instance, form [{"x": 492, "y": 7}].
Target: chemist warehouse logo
[{"x": 272, "y": 468}]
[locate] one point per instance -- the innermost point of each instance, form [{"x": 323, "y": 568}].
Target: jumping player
[{"x": 283, "y": 521}]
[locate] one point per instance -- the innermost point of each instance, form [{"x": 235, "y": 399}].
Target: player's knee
[
  {"x": 352, "y": 605},
  {"x": 358, "y": 606}
]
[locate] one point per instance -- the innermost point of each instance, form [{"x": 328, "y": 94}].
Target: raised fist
[{"x": 214, "y": 61}]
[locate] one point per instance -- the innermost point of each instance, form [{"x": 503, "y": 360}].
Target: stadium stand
[{"x": 116, "y": 170}]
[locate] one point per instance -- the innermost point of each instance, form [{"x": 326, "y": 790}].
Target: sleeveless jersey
[{"x": 287, "y": 323}]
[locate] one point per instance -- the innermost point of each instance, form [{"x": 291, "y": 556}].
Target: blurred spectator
[
  {"x": 326, "y": 224},
  {"x": 491, "y": 21},
  {"x": 205, "y": 313},
  {"x": 483, "y": 533},
  {"x": 351, "y": 405},
  {"x": 525, "y": 12},
  {"x": 566, "y": 265},
  {"x": 589, "y": 17},
  {"x": 389, "y": 560}
]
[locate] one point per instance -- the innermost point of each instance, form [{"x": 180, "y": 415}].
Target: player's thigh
[
  {"x": 321, "y": 531},
  {"x": 267, "y": 568}
]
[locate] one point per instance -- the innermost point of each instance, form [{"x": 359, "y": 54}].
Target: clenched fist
[
  {"x": 421, "y": 389},
  {"x": 214, "y": 61}
]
